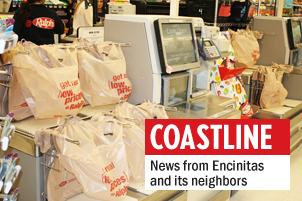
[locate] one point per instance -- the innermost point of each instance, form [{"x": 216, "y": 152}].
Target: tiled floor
[{"x": 295, "y": 194}]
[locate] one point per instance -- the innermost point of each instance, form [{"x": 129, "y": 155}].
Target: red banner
[{"x": 217, "y": 137}]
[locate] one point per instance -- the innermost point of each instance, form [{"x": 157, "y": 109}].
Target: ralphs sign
[
  {"x": 217, "y": 154},
  {"x": 44, "y": 23}
]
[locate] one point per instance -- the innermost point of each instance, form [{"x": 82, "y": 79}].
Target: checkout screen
[
  {"x": 178, "y": 43},
  {"x": 296, "y": 32}
]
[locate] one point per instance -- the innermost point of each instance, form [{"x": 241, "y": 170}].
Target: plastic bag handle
[{"x": 55, "y": 133}]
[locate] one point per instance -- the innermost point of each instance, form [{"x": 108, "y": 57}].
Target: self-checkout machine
[
  {"x": 164, "y": 67},
  {"x": 161, "y": 58},
  {"x": 212, "y": 46},
  {"x": 282, "y": 44}
]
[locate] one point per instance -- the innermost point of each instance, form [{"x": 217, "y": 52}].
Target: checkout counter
[
  {"x": 164, "y": 54},
  {"x": 281, "y": 31},
  {"x": 285, "y": 34},
  {"x": 161, "y": 71},
  {"x": 292, "y": 110},
  {"x": 35, "y": 165}
]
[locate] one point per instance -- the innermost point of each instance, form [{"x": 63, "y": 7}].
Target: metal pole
[
  {"x": 258, "y": 8},
  {"x": 279, "y": 4},
  {"x": 216, "y": 13},
  {"x": 174, "y": 8}
]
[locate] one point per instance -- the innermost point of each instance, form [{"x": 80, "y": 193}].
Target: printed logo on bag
[
  {"x": 44, "y": 23},
  {"x": 118, "y": 186},
  {"x": 73, "y": 99},
  {"x": 122, "y": 85},
  {"x": 24, "y": 104},
  {"x": 64, "y": 183}
]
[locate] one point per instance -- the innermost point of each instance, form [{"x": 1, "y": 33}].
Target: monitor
[
  {"x": 175, "y": 88},
  {"x": 294, "y": 32},
  {"x": 177, "y": 47}
]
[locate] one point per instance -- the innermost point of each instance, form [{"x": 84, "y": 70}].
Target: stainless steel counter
[
  {"x": 292, "y": 110},
  {"x": 207, "y": 107}
]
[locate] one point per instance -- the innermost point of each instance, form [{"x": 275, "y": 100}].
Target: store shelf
[
  {"x": 227, "y": 24},
  {"x": 57, "y": 6},
  {"x": 296, "y": 5},
  {"x": 266, "y": 8},
  {"x": 52, "y": 6},
  {"x": 267, "y": 5}
]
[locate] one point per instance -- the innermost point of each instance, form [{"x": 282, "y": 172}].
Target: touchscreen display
[
  {"x": 178, "y": 90},
  {"x": 296, "y": 29},
  {"x": 178, "y": 43}
]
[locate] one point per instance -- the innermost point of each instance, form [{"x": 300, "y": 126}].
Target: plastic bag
[
  {"x": 138, "y": 114},
  {"x": 59, "y": 93},
  {"x": 271, "y": 76},
  {"x": 61, "y": 184},
  {"x": 102, "y": 70},
  {"x": 134, "y": 139},
  {"x": 16, "y": 101},
  {"x": 231, "y": 88},
  {"x": 99, "y": 162},
  {"x": 246, "y": 48},
  {"x": 43, "y": 140},
  {"x": 273, "y": 93},
  {"x": 65, "y": 54}
]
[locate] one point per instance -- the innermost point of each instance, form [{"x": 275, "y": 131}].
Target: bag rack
[
  {"x": 5, "y": 78},
  {"x": 12, "y": 197},
  {"x": 68, "y": 46},
  {"x": 48, "y": 160}
]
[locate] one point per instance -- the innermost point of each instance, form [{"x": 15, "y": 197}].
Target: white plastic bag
[
  {"x": 138, "y": 114},
  {"x": 273, "y": 93},
  {"x": 102, "y": 71},
  {"x": 134, "y": 139},
  {"x": 61, "y": 184},
  {"x": 246, "y": 48},
  {"x": 99, "y": 162},
  {"x": 50, "y": 88}
]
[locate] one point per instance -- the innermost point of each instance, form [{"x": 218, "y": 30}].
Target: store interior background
[{"x": 271, "y": 17}]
